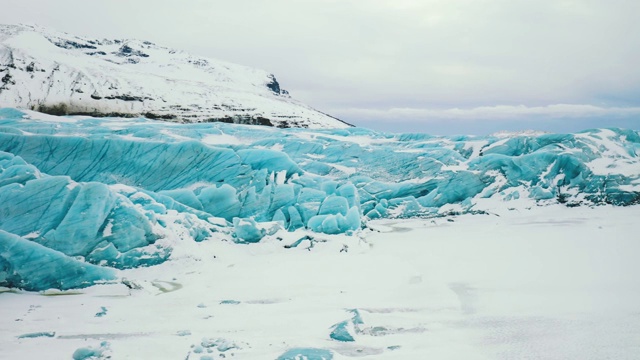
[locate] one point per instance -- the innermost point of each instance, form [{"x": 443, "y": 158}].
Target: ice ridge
[{"x": 99, "y": 194}]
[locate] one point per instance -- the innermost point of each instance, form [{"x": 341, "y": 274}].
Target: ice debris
[
  {"x": 37, "y": 335},
  {"x": 344, "y": 331},
  {"x": 247, "y": 230},
  {"x": 306, "y": 354},
  {"x": 93, "y": 353},
  {"x": 102, "y": 312},
  {"x": 90, "y": 194},
  {"x": 213, "y": 346},
  {"x": 229, "y": 302}
]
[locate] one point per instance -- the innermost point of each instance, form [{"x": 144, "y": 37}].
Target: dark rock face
[
  {"x": 57, "y": 109},
  {"x": 244, "y": 120},
  {"x": 274, "y": 85},
  {"x": 126, "y": 97},
  {"x": 126, "y": 50},
  {"x": 152, "y": 116},
  {"x": 6, "y": 80},
  {"x": 69, "y": 44}
]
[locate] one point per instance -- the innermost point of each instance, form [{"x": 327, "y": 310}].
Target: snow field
[{"x": 545, "y": 283}]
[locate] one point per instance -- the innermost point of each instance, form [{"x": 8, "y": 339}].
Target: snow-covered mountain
[{"x": 59, "y": 73}]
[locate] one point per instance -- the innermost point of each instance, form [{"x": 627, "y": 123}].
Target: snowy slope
[
  {"x": 64, "y": 74},
  {"x": 86, "y": 193}
]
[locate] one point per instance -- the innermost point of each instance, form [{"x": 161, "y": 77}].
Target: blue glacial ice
[
  {"x": 37, "y": 335},
  {"x": 28, "y": 265},
  {"x": 93, "y": 353},
  {"x": 97, "y": 194},
  {"x": 344, "y": 331},
  {"x": 306, "y": 354}
]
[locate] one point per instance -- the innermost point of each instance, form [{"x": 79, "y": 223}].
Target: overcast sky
[{"x": 436, "y": 66}]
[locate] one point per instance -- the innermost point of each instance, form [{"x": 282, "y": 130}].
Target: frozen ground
[{"x": 541, "y": 283}]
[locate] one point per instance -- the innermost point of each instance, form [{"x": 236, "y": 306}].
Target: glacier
[{"x": 82, "y": 198}]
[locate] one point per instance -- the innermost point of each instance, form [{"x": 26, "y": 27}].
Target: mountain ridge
[{"x": 63, "y": 74}]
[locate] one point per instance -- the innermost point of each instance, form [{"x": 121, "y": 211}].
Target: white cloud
[{"x": 498, "y": 113}]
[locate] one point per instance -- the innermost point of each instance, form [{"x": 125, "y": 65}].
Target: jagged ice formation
[{"x": 89, "y": 195}]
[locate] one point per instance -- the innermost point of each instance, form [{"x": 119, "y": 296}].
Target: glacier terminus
[{"x": 88, "y": 195}]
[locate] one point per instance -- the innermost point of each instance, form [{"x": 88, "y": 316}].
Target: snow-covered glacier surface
[{"x": 83, "y": 197}]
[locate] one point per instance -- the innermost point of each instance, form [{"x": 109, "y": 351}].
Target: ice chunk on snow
[
  {"x": 306, "y": 354},
  {"x": 37, "y": 334},
  {"x": 247, "y": 230},
  {"x": 93, "y": 353}
]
